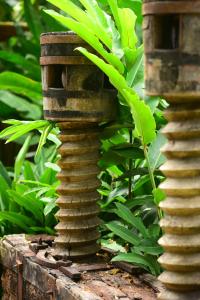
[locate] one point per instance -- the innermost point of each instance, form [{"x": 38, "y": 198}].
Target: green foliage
[
  {"x": 143, "y": 249},
  {"x": 28, "y": 193},
  {"x": 130, "y": 146}
]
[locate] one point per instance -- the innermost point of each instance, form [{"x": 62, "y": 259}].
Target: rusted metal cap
[
  {"x": 59, "y": 48},
  {"x": 172, "y": 56},
  {"x": 74, "y": 89}
]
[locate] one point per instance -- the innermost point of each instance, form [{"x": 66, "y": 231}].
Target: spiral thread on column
[
  {"x": 181, "y": 223},
  {"x": 78, "y": 221}
]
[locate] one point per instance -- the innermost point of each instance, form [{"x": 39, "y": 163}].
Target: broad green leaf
[
  {"x": 90, "y": 38},
  {"x": 21, "y": 85},
  {"x": 159, "y": 195},
  {"x": 17, "y": 219},
  {"x": 110, "y": 244},
  {"x": 123, "y": 233},
  {"x": 27, "y": 109},
  {"x": 135, "y": 259},
  {"x": 88, "y": 21},
  {"x": 156, "y": 158},
  {"x": 115, "y": 77},
  {"x": 142, "y": 115},
  {"x": 95, "y": 11},
  {"x": 126, "y": 214},
  {"x": 144, "y": 120},
  {"x": 136, "y": 65},
  {"x": 53, "y": 166},
  {"x": 128, "y": 35},
  {"x": 19, "y": 60},
  {"x": 34, "y": 206}
]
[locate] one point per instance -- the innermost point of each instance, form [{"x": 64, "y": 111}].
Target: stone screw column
[
  {"x": 75, "y": 96},
  {"x": 172, "y": 57}
]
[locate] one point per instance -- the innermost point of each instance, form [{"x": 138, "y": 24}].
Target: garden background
[{"x": 130, "y": 150}]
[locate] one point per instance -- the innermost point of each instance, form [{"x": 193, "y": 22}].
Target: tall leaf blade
[
  {"x": 126, "y": 214},
  {"x": 21, "y": 85},
  {"x": 89, "y": 37},
  {"x": 123, "y": 233},
  {"x": 21, "y": 157},
  {"x": 142, "y": 115}
]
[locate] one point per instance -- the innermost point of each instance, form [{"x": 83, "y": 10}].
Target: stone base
[{"x": 23, "y": 278}]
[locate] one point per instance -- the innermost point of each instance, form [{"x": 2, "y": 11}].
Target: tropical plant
[
  {"x": 139, "y": 243},
  {"x": 130, "y": 145},
  {"x": 28, "y": 192}
]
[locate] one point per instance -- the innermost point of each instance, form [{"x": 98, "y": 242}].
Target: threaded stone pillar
[
  {"x": 75, "y": 96},
  {"x": 172, "y": 59}
]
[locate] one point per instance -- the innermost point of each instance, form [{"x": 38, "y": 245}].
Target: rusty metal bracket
[{"x": 44, "y": 258}]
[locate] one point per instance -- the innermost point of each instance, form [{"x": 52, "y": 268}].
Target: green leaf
[
  {"x": 27, "y": 109},
  {"x": 95, "y": 24},
  {"x": 133, "y": 172},
  {"x": 50, "y": 207},
  {"x": 143, "y": 117},
  {"x": 128, "y": 35},
  {"x": 115, "y": 77},
  {"x": 159, "y": 195},
  {"x": 139, "y": 201},
  {"x": 156, "y": 158},
  {"x": 29, "y": 171},
  {"x": 21, "y": 157},
  {"x": 123, "y": 233},
  {"x": 17, "y": 219},
  {"x": 33, "y": 206},
  {"x": 115, "y": 12},
  {"x": 33, "y": 19},
  {"x": 90, "y": 38},
  {"x": 135, "y": 259},
  {"x": 126, "y": 214},
  {"x": 43, "y": 139},
  {"x": 21, "y": 85},
  {"x": 136, "y": 65},
  {"x": 4, "y": 174},
  {"x": 32, "y": 68},
  {"x": 18, "y": 130},
  {"x": 4, "y": 186}
]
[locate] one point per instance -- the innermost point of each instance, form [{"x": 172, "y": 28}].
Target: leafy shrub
[
  {"x": 130, "y": 146},
  {"x": 28, "y": 192}
]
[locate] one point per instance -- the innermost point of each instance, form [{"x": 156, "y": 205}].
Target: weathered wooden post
[
  {"x": 75, "y": 96},
  {"x": 172, "y": 55}
]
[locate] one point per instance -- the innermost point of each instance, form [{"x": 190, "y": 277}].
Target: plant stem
[{"x": 151, "y": 174}]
